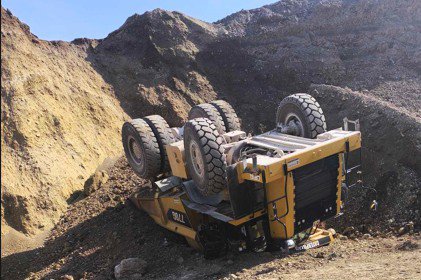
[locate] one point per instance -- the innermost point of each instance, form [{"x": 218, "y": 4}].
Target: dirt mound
[
  {"x": 391, "y": 157},
  {"x": 59, "y": 121},
  {"x": 290, "y": 44},
  {"x": 151, "y": 62}
]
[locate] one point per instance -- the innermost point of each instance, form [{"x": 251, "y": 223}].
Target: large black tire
[
  {"x": 205, "y": 156},
  {"x": 208, "y": 111},
  {"x": 164, "y": 136},
  {"x": 305, "y": 110},
  {"x": 141, "y": 148},
  {"x": 228, "y": 114}
]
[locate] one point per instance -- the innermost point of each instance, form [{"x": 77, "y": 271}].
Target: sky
[{"x": 67, "y": 20}]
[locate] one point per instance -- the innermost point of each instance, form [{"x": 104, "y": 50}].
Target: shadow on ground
[{"x": 92, "y": 249}]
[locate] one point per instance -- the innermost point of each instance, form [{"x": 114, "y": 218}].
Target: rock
[
  {"x": 213, "y": 270},
  {"x": 180, "y": 260},
  {"x": 343, "y": 237},
  {"x": 230, "y": 262},
  {"x": 366, "y": 236},
  {"x": 402, "y": 231},
  {"x": 409, "y": 226},
  {"x": 320, "y": 255},
  {"x": 66, "y": 277},
  {"x": 130, "y": 269},
  {"x": 348, "y": 231},
  {"x": 332, "y": 256},
  {"x": 95, "y": 182},
  {"x": 407, "y": 246},
  {"x": 165, "y": 243}
]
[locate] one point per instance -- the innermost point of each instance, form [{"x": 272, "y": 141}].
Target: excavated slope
[
  {"x": 59, "y": 121},
  {"x": 63, "y": 103}
]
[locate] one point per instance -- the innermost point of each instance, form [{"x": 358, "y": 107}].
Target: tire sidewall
[
  {"x": 128, "y": 131},
  {"x": 161, "y": 128},
  {"x": 287, "y": 108}
]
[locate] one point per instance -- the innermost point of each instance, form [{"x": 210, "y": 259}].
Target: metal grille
[{"x": 315, "y": 192}]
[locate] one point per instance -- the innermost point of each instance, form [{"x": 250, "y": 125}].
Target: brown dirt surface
[{"x": 98, "y": 231}]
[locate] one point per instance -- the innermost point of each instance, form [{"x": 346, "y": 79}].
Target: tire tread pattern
[
  {"x": 207, "y": 110},
  {"x": 311, "y": 109},
  {"x": 228, "y": 114},
  {"x": 211, "y": 145},
  {"x": 164, "y": 136},
  {"x": 150, "y": 147}
]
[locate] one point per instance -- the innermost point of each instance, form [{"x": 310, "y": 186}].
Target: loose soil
[{"x": 98, "y": 231}]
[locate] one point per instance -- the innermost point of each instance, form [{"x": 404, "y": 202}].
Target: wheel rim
[
  {"x": 196, "y": 158},
  {"x": 136, "y": 152},
  {"x": 294, "y": 121}
]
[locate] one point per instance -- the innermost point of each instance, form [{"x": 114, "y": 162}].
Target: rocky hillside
[
  {"x": 63, "y": 103},
  {"x": 151, "y": 61}
]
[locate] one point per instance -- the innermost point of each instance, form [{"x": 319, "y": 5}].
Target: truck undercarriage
[{"x": 223, "y": 190}]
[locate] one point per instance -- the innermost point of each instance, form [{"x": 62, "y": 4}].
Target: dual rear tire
[
  {"x": 144, "y": 143},
  {"x": 220, "y": 112},
  {"x": 205, "y": 156},
  {"x": 203, "y": 144}
]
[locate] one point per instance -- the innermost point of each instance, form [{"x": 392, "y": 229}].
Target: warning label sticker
[{"x": 293, "y": 163}]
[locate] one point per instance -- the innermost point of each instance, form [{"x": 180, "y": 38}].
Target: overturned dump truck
[{"x": 225, "y": 190}]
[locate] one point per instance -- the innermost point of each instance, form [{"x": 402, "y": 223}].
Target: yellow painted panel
[
  {"x": 175, "y": 152},
  {"x": 248, "y": 218},
  {"x": 285, "y": 211}
]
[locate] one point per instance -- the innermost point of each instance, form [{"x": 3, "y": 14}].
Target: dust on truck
[{"x": 225, "y": 190}]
